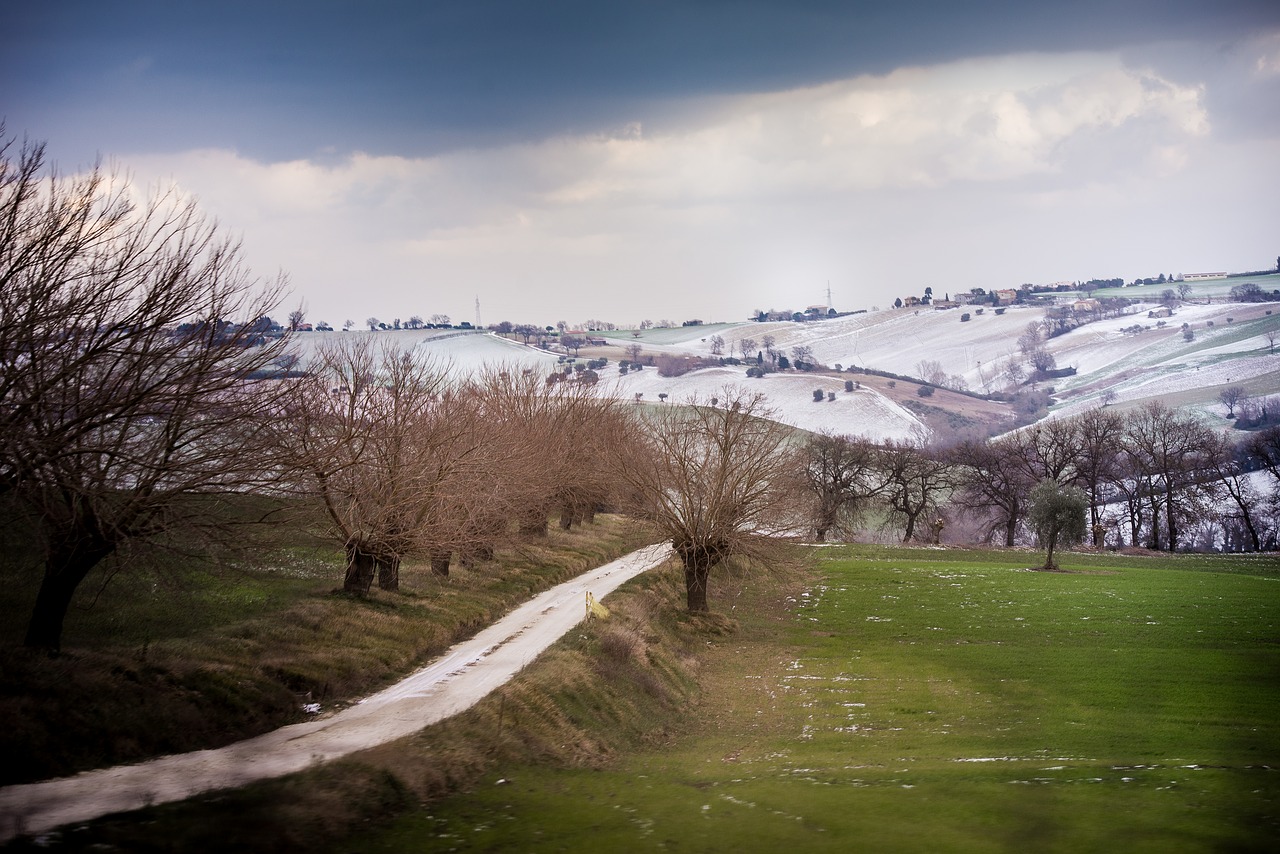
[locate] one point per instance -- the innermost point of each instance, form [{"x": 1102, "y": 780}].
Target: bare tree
[
  {"x": 1231, "y": 397},
  {"x": 296, "y": 318},
  {"x": 748, "y": 348},
  {"x": 717, "y": 345},
  {"x": 562, "y": 440},
  {"x": 1101, "y": 432},
  {"x": 917, "y": 480},
  {"x": 841, "y": 478},
  {"x": 994, "y": 478},
  {"x": 394, "y": 454},
  {"x": 1264, "y": 447},
  {"x": 931, "y": 371},
  {"x": 770, "y": 351},
  {"x": 1167, "y": 451},
  {"x": 126, "y": 383},
  {"x": 1029, "y": 340},
  {"x": 1229, "y": 464},
  {"x": 712, "y": 479}
]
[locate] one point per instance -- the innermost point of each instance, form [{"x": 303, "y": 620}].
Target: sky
[{"x": 673, "y": 160}]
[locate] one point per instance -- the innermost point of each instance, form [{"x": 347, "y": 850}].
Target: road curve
[{"x": 450, "y": 684}]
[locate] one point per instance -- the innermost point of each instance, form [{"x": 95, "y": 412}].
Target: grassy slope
[
  {"x": 883, "y": 699},
  {"x": 180, "y": 652},
  {"x": 942, "y": 700}
]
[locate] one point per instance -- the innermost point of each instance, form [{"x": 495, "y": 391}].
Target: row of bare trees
[
  {"x": 408, "y": 460},
  {"x": 1147, "y": 476},
  {"x": 138, "y": 399}
]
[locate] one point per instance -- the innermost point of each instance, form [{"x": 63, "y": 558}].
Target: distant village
[{"x": 1067, "y": 301}]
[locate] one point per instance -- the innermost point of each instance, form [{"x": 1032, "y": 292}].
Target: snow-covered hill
[{"x": 1230, "y": 344}]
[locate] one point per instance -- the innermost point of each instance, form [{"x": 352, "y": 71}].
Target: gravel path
[{"x": 451, "y": 684}]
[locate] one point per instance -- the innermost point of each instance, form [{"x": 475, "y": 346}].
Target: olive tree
[
  {"x": 715, "y": 479},
  {"x": 131, "y": 369},
  {"x": 1057, "y": 514}
]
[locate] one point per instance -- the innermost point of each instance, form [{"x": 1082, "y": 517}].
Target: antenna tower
[{"x": 478, "y": 324}]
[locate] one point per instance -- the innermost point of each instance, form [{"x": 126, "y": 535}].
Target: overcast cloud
[{"x": 681, "y": 160}]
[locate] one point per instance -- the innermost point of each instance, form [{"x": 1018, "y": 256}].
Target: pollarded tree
[
  {"x": 392, "y": 452},
  {"x": 126, "y": 383},
  {"x": 714, "y": 479},
  {"x": 1057, "y": 514}
]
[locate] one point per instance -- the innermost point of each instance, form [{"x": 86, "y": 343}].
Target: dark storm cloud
[{"x": 282, "y": 80}]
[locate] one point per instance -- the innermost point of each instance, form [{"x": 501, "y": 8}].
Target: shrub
[
  {"x": 848, "y": 385},
  {"x": 818, "y": 395},
  {"x": 925, "y": 391}
]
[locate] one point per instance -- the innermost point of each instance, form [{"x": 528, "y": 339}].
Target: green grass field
[{"x": 940, "y": 700}]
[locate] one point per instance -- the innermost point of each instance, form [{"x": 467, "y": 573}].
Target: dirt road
[{"x": 452, "y": 683}]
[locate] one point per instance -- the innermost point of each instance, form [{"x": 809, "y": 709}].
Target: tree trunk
[
  {"x": 820, "y": 535},
  {"x": 566, "y": 516},
  {"x": 389, "y": 572},
  {"x": 1155, "y": 527},
  {"x": 697, "y": 567},
  {"x": 1048, "y": 560},
  {"x": 70, "y": 561},
  {"x": 534, "y": 523},
  {"x": 361, "y": 567},
  {"x": 1010, "y": 531},
  {"x": 440, "y": 563},
  {"x": 911, "y": 527}
]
